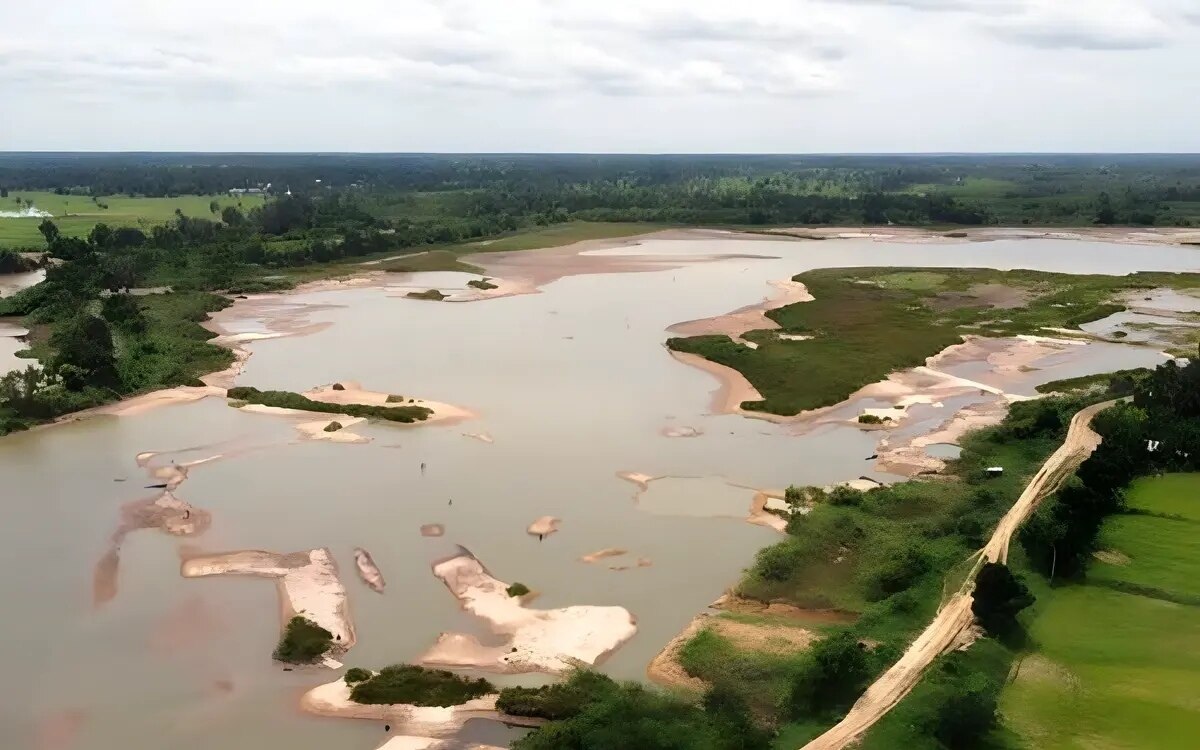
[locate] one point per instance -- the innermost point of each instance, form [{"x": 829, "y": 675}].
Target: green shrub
[
  {"x": 333, "y": 426},
  {"x": 870, "y": 419},
  {"x": 517, "y": 589},
  {"x": 394, "y": 399},
  {"x": 357, "y": 674},
  {"x": 289, "y": 400},
  {"x": 410, "y": 684},
  {"x": 560, "y": 700},
  {"x": 835, "y": 675},
  {"x": 481, "y": 284},
  {"x": 303, "y": 642}
]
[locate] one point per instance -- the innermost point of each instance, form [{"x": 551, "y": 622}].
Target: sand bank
[
  {"x": 483, "y": 437},
  {"x": 749, "y": 318},
  {"x": 599, "y": 555},
  {"x": 352, "y": 392},
  {"x": 641, "y": 480},
  {"x": 544, "y": 526},
  {"x": 1124, "y": 235},
  {"x": 680, "y": 431},
  {"x": 433, "y": 529},
  {"x": 307, "y": 583},
  {"x": 333, "y": 699},
  {"x": 760, "y": 516},
  {"x": 367, "y": 570},
  {"x": 552, "y": 640}
]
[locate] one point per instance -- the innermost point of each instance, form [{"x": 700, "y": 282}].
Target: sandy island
[
  {"x": 307, "y": 583},
  {"x": 417, "y": 722},
  {"x": 367, "y": 570},
  {"x": 551, "y": 640},
  {"x": 544, "y": 526}
]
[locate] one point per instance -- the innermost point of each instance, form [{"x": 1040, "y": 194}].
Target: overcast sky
[{"x": 601, "y": 75}]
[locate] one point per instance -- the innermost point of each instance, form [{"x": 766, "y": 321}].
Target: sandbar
[
  {"x": 544, "y": 526},
  {"x": 307, "y": 583},
  {"x": 367, "y": 570},
  {"x": 550, "y": 640}
]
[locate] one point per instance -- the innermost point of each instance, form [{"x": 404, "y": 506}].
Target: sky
[{"x": 676, "y": 76}]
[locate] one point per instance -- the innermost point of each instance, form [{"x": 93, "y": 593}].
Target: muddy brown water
[{"x": 573, "y": 384}]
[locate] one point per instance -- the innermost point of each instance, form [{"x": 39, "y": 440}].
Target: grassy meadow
[
  {"x": 75, "y": 215},
  {"x": 1120, "y": 668}
]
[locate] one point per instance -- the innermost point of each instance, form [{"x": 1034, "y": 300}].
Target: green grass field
[
  {"x": 1114, "y": 669},
  {"x": 75, "y": 215}
]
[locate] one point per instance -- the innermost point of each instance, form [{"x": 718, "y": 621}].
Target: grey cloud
[{"x": 1064, "y": 38}]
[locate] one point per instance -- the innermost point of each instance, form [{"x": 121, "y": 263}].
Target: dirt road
[{"x": 955, "y": 616}]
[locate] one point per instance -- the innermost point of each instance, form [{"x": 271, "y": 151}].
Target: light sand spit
[
  {"x": 553, "y": 640},
  {"x": 307, "y": 583},
  {"x": 367, "y": 570}
]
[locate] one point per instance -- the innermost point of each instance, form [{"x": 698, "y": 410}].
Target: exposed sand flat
[
  {"x": 367, "y": 570},
  {"x": 352, "y": 392},
  {"x": 307, "y": 583},
  {"x": 680, "y": 431},
  {"x": 433, "y": 529},
  {"x": 641, "y": 480},
  {"x": 552, "y": 640},
  {"x": 414, "y": 722},
  {"x": 504, "y": 288},
  {"x": 483, "y": 437},
  {"x": 760, "y": 516},
  {"x": 163, "y": 511},
  {"x": 908, "y": 457},
  {"x": 1126, "y": 235},
  {"x": 599, "y": 555},
  {"x": 749, "y": 318},
  {"x": 733, "y": 387},
  {"x": 544, "y": 525},
  {"x": 318, "y": 430}
]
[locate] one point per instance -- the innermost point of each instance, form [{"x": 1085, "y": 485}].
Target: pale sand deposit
[
  {"x": 163, "y": 511},
  {"x": 333, "y": 699},
  {"x": 641, "y": 480},
  {"x": 544, "y": 526},
  {"x": 483, "y": 437},
  {"x": 760, "y": 516},
  {"x": 433, "y": 529},
  {"x": 909, "y": 458},
  {"x": 307, "y": 583},
  {"x": 352, "y": 392},
  {"x": 552, "y": 640},
  {"x": 749, "y": 318},
  {"x": 599, "y": 555},
  {"x": 1124, "y": 235},
  {"x": 680, "y": 431},
  {"x": 732, "y": 389},
  {"x": 367, "y": 570}
]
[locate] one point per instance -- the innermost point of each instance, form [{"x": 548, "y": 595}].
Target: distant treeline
[{"x": 505, "y": 191}]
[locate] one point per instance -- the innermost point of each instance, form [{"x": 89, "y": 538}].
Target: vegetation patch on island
[
  {"x": 418, "y": 686},
  {"x": 290, "y": 400},
  {"x": 303, "y": 642}
]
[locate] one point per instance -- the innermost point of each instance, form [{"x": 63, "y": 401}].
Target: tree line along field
[
  {"x": 1115, "y": 660},
  {"x": 75, "y": 215}
]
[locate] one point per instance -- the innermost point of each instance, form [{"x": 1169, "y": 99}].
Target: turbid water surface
[{"x": 574, "y": 386}]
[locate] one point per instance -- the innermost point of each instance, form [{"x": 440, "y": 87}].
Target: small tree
[
  {"x": 213, "y": 206},
  {"x": 834, "y": 677},
  {"x": 85, "y": 352},
  {"x": 3, "y": 192},
  {"x": 999, "y": 597}
]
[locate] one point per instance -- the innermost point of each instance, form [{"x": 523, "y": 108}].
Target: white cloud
[{"x": 768, "y": 75}]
